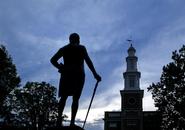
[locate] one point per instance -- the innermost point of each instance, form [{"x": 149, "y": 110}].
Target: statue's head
[{"x": 74, "y": 38}]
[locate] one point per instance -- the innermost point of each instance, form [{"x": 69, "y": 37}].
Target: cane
[{"x": 96, "y": 85}]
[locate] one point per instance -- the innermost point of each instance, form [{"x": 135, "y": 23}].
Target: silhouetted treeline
[
  {"x": 169, "y": 93},
  {"x": 33, "y": 106},
  {"x": 9, "y": 80}
]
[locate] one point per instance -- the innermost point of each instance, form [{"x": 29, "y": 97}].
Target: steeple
[
  {"x": 131, "y": 76},
  {"x": 131, "y": 95},
  {"x": 131, "y": 50}
]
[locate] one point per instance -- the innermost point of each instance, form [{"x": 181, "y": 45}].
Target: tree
[
  {"x": 9, "y": 78},
  {"x": 34, "y": 105},
  {"x": 169, "y": 93}
]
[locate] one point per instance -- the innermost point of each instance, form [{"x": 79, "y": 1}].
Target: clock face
[{"x": 131, "y": 101}]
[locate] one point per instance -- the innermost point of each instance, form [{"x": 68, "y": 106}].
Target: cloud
[
  {"x": 166, "y": 44},
  {"x": 109, "y": 100},
  {"x": 34, "y": 30},
  {"x": 158, "y": 51},
  {"x": 148, "y": 103}
]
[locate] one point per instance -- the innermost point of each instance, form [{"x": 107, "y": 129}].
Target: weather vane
[{"x": 130, "y": 41}]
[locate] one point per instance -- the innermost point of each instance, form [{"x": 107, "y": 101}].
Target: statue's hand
[
  {"x": 97, "y": 77},
  {"x": 61, "y": 69}
]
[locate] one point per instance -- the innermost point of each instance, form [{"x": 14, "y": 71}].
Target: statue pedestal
[{"x": 65, "y": 128}]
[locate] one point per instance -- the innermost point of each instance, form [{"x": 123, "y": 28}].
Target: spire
[
  {"x": 131, "y": 75},
  {"x": 131, "y": 59},
  {"x": 131, "y": 50}
]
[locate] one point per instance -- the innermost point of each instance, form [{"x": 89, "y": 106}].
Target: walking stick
[{"x": 96, "y": 85}]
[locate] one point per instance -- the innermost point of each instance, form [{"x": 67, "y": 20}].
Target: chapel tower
[
  {"x": 132, "y": 116},
  {"x": 131, "y": 95}
]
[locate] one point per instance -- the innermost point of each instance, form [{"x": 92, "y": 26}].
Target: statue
[{"x": 72, "y": 74}]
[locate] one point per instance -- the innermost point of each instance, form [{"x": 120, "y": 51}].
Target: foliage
[
  {"x": 8, "y": 77},
  {"x": 34, "y": 105},
  {"x": 169, "y": 93}
]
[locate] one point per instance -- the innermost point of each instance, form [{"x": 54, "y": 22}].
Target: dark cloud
[{"x": 34, "y": 30}]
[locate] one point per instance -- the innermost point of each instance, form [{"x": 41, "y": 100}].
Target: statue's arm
[
  {"x": 55, "y": 58},
  {"x": 90, "y": 65}
]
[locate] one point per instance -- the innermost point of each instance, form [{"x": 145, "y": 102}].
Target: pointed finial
[{"x": 131, "y": 49}]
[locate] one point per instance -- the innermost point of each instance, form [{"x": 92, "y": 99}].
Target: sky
[{"x": 34, "y": 30}]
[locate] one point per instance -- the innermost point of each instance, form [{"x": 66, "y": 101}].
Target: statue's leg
[
  {"x": 74, "y": 108},
  {"x": 61, "y": 106}
]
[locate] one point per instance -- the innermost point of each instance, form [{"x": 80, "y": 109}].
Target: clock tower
[{"x": 131, "y": 95}]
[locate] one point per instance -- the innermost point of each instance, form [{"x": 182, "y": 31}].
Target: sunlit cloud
[{"x": 34, "y": 30}]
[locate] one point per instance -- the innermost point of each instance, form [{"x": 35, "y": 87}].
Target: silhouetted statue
[{"x": 72, "y": 74}]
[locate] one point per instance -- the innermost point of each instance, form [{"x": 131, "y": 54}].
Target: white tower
[
  {"x": 131, "y": 75},
  {"x": 131, "y": 95}
]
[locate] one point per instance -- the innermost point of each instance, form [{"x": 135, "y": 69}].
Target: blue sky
[{"x": 33, "y": 30}]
